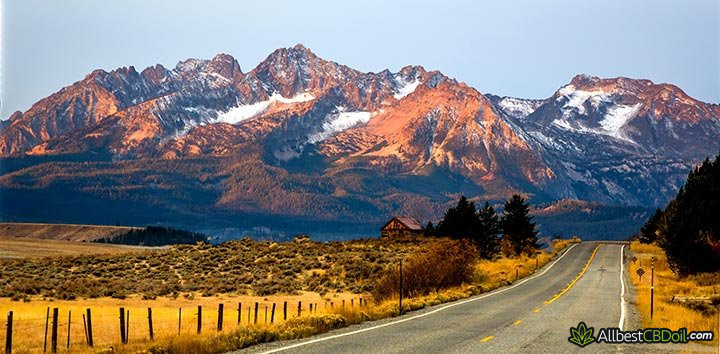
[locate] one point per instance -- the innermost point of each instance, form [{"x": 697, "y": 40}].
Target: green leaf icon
[{"x": 581, "y": 335}]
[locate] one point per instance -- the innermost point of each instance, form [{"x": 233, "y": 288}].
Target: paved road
[{"x": 517, "y": 318}]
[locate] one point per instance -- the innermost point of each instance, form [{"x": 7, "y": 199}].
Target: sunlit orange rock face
[
  {"x": 445, "y": 124},
  {"x": 658, "y": 100},
  {"x": 600, "y": 139},
  {"x": 83, "y": 104}
]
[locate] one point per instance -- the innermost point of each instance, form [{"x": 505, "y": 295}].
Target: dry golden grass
[
  {"x": 503, "y": 271},
  {"x": 60, "y": 232},
  {"x": 29, "y": 317},
  {"x": 329, "y": 311},
  {"x": 17, "y": 247},
  {"x": 667, "y": 284}
]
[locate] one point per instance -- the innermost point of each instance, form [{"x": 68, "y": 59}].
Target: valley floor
[{"x": 20, "y": 247}]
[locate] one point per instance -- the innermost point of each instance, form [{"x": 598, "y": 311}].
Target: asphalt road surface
[{"x": 532, "y": 315}]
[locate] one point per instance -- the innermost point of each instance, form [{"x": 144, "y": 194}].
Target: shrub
[{"x": 447, "y": 263}]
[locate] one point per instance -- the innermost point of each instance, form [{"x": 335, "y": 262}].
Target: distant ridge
[{"x": 299, "y": 142}]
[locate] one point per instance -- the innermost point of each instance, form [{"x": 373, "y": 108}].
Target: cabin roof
[{"x": 407, "y": 221}]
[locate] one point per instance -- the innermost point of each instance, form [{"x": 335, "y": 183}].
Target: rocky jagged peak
[
  {"x": 95, "y": 74},
  {"x": 189, "y": 65},
  {"x": 413, "y": 70},
  {"x": 291, "y": 71},
  {"x": 156, "y": 74},
  {"x": 293, "y": 56},
  {"x": 584, "y": 80},
  {"x": 226, "y": 66},
  {"x": 17, "y": 115}
]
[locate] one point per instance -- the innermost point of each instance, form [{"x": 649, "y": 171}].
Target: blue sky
[{"x": 525, "y": 48}]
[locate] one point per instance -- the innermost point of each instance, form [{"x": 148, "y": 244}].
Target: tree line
[
  {"x": 512, "y": 233},
  {"x": 156, "y": 236},
  {"x": 688, "y": 229}
]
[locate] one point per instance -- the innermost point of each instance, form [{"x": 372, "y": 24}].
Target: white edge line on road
[
  {"x": 458, "y": 303},
  {"x": 622, "y": 290}
]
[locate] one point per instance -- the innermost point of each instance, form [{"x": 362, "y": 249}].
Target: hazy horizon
[{"x": 524, "y": 49}]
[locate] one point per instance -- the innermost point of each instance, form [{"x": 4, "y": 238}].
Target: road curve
[{"x": 517, "y": 318}]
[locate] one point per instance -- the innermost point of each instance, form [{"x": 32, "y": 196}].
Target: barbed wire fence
[{"x": 62, "y": 329}]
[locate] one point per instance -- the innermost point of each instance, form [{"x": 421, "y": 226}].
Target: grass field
[
  {"x": 693, "y": 315},
  {"x": 60, "y": 232},
  {"x": 30, "y": 317},
  {"x": 17, "y": 247},
  {"x": 331, "y": 309},
  {"x": 236, "y": 267}
]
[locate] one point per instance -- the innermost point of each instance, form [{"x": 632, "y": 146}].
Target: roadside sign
[
  {"x": 634, "y": 259},
  {"x": 640, "y": 272}
]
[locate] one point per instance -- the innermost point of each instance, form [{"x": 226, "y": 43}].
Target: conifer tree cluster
[
  {"x": 688, "y": 229},
  {"x": 485, "y": 228}
]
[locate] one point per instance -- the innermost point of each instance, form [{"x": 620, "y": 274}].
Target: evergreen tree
[
  {"x": 460, "y": 221},
  {"x": 481, "y": 227},
  {"x": 648, "y": 233},
  {"x": 486, "y": 240},
  {"x": 517, "y": 226},
  {"x": 429, "y": 229},
  {"x": 689, "y": 228}
]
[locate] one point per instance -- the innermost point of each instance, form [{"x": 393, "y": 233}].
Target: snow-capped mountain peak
[{"x": 594, "y": 138}]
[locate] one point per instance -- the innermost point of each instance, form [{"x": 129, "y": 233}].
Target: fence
[{"x": 57, "y": 329}]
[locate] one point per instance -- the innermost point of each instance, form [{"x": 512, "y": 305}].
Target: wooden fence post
[
  {"x": 122, "y": 325},
  {"x": 179, "y": 319},
  {"x": 256, "y": 312},
  {"x": 54, "y": 333},
  {"x": 47, "y": 321},
  {"x": 285, "y": 311},
  {"x": 220, "y": 317},
  {"x": 352, "y": 303},
  {"x": 400, "y": 307},
  {"x": 127, "y": 326},
  {"x": 199, "y": 319},
  {"x": 272, "y": 315},
  {"x": 85, "y": 328},
  {"x": 8, "y": 333},
  {"x": 239, "y": 312},
  {"x": 310, "y": 308},
  {"x": 68, "y": 339},
  {"x": 265, "y": 314},
  {"x": 299, "y": 308},
  {"x": 150, "y": 327},
  {"x": 89, "y": 329}
]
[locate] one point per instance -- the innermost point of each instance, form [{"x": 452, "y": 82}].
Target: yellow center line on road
[
  {"x": 517, "y": 323},
  {"x": 570, "y": 285},
  {"x": 536, "y": 310},
  {"x": 486, "y": 339}
]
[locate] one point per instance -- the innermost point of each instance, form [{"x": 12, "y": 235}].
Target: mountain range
[{"x": 303, "y": 144}]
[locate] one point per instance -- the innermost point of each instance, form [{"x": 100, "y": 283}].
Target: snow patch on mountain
[
  {"x": 562, "y": 123},
  {"x": 299, "y": 98},
  {"x": 246, "y": 111},
  {"x": 407, "y": 88},
  {"x": 575, "y": 99},
  {"x": 612, "y": 123},
  {"x": 617, "y": 116},
  {"x": 339, "y": 123},
  {"x": 517, "y": 107},
  {"x": 242, "y": 112}
]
